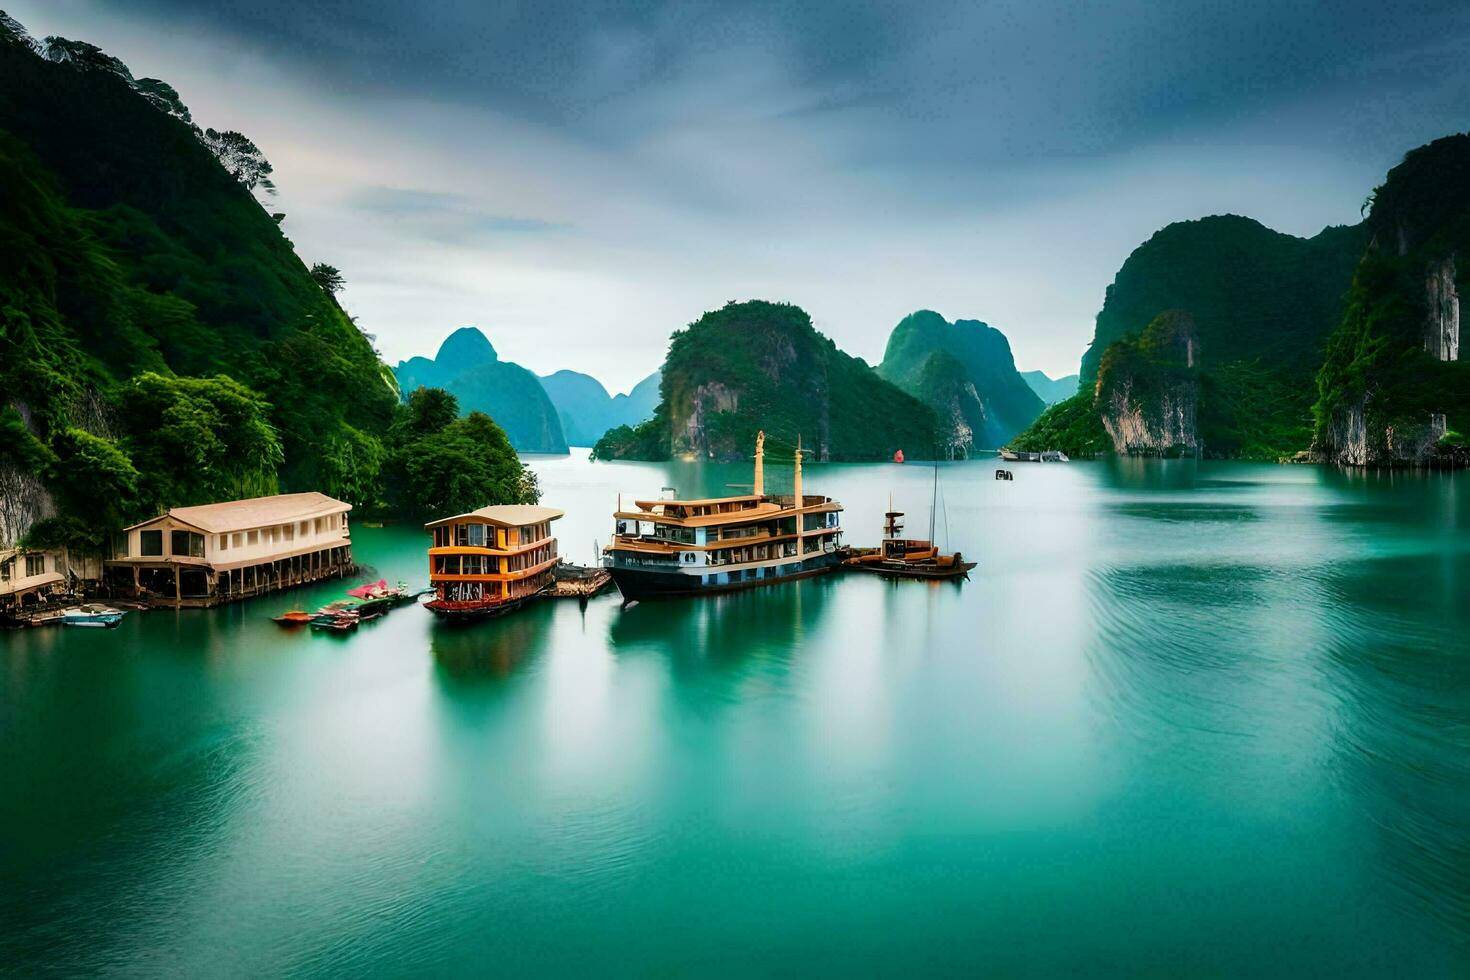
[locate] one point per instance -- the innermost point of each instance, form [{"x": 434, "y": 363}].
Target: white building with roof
[{"x": 219, "y": 552}]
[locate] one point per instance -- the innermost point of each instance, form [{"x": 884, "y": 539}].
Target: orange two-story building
[{"x": 491, "y": 560}]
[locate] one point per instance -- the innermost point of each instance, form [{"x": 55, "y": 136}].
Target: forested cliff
[
  {"x": 1394, "y": 387},
  {"x": 161, "y": 343},
  {"x": 762, "y": 366}
]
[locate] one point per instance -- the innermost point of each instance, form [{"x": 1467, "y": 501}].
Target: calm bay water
[{"x": 1185, "y": 719}]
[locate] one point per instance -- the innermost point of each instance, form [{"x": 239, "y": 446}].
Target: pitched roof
[
  {"x": 240, "y": 515},
  {"x": 506, "y": 515}
]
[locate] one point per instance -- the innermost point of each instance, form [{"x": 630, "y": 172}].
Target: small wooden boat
[
  {"x": 91, "y": 615},
  {"x": 900, "y": 557},
  {"x": 336, "y": 621},
  {"x": 293, "y": 618},
  {"x": 1049, "y": 456}
]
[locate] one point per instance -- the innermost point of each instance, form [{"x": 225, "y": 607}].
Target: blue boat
[{"x": 91, "y": 615}]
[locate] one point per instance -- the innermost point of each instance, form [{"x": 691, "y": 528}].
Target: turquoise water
[{"x": 1185, "y": 719}]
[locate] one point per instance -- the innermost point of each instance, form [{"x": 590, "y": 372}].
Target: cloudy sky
[{"x": 581, "y": 179}]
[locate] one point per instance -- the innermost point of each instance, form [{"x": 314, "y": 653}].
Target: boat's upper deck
[{"x": 717, "y": 511}]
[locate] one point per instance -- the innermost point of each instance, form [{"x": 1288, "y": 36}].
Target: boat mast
[
  {"x": 760, "y": 460},
  {"x": 796, "y": 492},
  {"x": 933, "y": 501}
]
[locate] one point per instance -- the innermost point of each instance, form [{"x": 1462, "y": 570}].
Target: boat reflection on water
[
  {"x": 490, "y": 651},
  {"x": 726, "y": 629}
]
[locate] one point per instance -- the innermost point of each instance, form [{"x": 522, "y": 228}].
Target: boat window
[{"x": 150, "y": 543}]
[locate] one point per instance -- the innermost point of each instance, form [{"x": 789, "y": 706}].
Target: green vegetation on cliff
[
  {"x": 760, "y": 365},
  {"x": 441, "y": 464},
  {"x": 965, "y": 372},
  {"x": 1073, "y": 426},
  {"x": 161, "y": 343},
  {"x": 1263, "y": 305},
  {"x": 468, "y": 367},
  {"x": 1393, "y": 385}
]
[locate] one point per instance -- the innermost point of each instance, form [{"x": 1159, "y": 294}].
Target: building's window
[
  {"x": 252, "y": 537},
  {"x": 237, "y": 540},
  {"x": 476, "y": 535},
  {"x": 150, "y": 543},
  {"x": 5, "y": 569},
  {"x": 186, "y": 543},
  {"x": 344, "y": 523},
  {"x": 290, "y": 531},
  {"x": 35, "y": 565},
  {"x": 305, "y": 528},
  {"x": 224, "y": 542}
]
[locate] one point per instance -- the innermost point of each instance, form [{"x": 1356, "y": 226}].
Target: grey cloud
[{"x": 442, "y": 217}]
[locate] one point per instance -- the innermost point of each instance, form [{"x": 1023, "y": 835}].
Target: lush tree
[
  {"x": 329, "y": 277},
  {"x": 199, "y": 440},
  {"x": 440, "y": 464},
  {"x": 427, "y": 411},
  {"x": 94, "y": 481},
  {"x": 163, "y": 97},
  {"x": 11, "y": 32},
  {"x": 80, "y": 54},
  {"x": 241, "y": 157}
]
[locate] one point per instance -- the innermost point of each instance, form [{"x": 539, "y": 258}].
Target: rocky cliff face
[
  {"x": 1393, "y": 389},
  {"x": 1442, "y": 338},
  {"x": 1148, "y": 389}
]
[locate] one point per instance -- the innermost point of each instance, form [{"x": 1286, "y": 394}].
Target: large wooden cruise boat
[
  {"x": 689, "y": 547},
  {"x": 491, "y": 560}
]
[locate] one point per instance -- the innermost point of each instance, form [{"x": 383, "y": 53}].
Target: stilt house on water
[
  {"x": 214, "y": 553},
  {"x": 27, "y": 577}
]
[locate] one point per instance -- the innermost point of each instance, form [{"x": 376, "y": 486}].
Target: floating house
[
  {"x": 28, "y": 577},
  {"x": 688, "y": 547},
  {"x": 491, "y": 560},
  {"x": 214, "y": 553}
]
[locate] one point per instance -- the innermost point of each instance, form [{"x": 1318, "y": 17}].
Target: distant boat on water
[{"x": 1049, "y": 456}]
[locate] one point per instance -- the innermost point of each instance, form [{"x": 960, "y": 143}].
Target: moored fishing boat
[
  {"x": 678, "y": 547},
  {"x": 900, "y": 557},
  {"x": 90, "y": 614},
  {"x": 491, "y": 561},
  {"x": 336, "y": 620},
  {"x": 293, "y": 617},
  {"x": 377, "y": 598}
]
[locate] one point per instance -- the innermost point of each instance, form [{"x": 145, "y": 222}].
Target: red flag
[{"x": 898, "y": 456}]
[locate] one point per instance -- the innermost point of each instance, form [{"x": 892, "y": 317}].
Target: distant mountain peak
[{"x": 465, "y": 348}]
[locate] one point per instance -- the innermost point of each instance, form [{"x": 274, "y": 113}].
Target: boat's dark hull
[
  {"x": 901, "y": 570},
  {"x": 470, "y": 613},
  {"x": 638, "y": 584}
]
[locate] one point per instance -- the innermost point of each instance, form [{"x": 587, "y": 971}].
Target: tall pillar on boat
[
  {"x": 760, "y": 463},
  {"x": 796, "y": 492}
]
